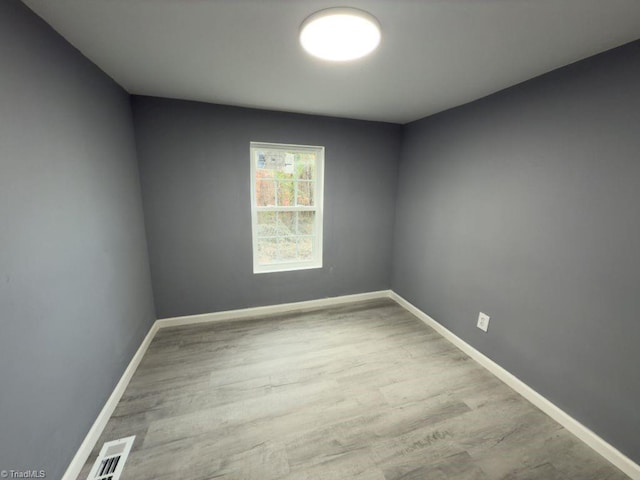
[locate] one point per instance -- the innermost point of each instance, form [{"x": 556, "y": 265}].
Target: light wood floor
[{"x": 364, "y": 391}]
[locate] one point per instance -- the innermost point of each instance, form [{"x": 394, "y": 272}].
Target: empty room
[{"x": 300, "y": 240}]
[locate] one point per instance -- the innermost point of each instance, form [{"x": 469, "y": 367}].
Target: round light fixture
[{"x": 340, "y": 34}]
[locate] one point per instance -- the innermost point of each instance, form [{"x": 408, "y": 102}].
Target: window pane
[
  {"x": 267, "y": 250},
  {"x": 284, "y": 175},
  {"x": 262, "y": 169},
  {"x": 286, "y": 224},
  {"x": 267, "y": 224},
  {"x": 305, "y": 193},
  {"x": 305, "y": 222},
  {"x": 285, "y": 193},
  {"x": 287, "y": 248},
  {"x": 276, "y": 164},
  {"x": 305, "y": 248},
  {"x": 265, "y": 193},
  {"x": 305, "y": 170}
]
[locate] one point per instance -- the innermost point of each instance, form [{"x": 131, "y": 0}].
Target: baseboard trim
[
  {"x": 245, "y": 313},
  {"x": 601, "y": 446},
  {"x": 605, "y": 449},
  {"x": 81, "y": 456},
  {"x": 89, "y": 442}
]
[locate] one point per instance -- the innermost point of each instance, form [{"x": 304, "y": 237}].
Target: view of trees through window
[
  {"x": 284, "y": 179},
  {"x": 285, "y": 205}
]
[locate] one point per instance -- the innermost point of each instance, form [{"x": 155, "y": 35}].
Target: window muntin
[{"x": 286, "y": 206}]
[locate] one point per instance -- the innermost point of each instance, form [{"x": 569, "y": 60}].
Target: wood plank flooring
[{"x": 364, "y": 391}]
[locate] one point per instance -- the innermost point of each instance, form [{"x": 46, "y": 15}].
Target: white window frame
[{"x": 316, "y": 261}]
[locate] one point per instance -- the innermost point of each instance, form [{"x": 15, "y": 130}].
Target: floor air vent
[{"x": 110, "y": 462}]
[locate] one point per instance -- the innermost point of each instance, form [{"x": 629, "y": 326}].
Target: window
[{"x": 286, "y": 206}]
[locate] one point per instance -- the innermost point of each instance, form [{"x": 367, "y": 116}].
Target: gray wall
[
  {"x": 524, "y": 205},
  {"x": 194, "y": 165},
  {"x": 75, "y": 296}
]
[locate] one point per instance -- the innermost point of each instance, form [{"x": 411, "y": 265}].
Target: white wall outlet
[{"x": 483, "y": 321}]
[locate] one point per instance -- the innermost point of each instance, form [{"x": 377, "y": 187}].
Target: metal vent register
[{"x": 110, "y": 462}]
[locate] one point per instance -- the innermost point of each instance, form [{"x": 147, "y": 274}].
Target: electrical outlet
[{"x": 483, "y": 321}]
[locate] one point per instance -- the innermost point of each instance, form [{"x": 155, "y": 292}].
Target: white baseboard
[
  {"x": 81, "y": 456},
  {"x": 583, "y": 433},
  {"x": 605, "y": 449},
  {"x": 245, "y": 313}
]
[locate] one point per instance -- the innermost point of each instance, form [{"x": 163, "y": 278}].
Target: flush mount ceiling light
[{"x": 340, "y": 34}]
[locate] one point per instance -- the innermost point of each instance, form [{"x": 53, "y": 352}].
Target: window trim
[{"x": 316, "y": 262}]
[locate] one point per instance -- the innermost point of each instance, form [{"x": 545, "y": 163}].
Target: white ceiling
[{"x": 434, "y": 54}]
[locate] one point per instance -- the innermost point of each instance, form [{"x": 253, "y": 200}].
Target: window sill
[{"x": 285, "y": 267}]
